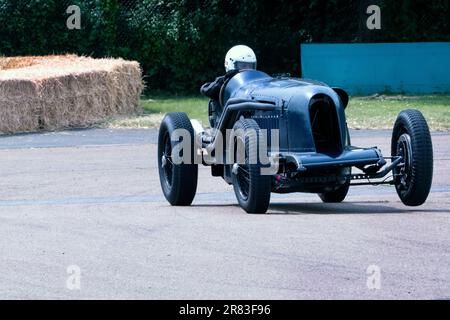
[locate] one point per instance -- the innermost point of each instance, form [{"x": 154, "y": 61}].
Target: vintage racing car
[{"x": 313, "y": 150}]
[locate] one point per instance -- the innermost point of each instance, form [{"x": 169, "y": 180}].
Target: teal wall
[{"x": 379, "y": 67}]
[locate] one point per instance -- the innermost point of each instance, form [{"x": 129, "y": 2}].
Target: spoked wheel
[
  {"x": 403, "y": 171},
  {"x": 252, "y": 188},
  {"x": 242, "y": 179},
  {"x": 178, "y": 180},
  {"x": 411, "y": 140},
  {"x": 166, "y": 161}
]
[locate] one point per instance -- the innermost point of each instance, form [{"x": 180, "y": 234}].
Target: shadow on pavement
[{"x": 343, "y": 208}]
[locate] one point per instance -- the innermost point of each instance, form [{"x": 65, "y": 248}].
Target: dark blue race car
[{"x": 302, "y": 123}]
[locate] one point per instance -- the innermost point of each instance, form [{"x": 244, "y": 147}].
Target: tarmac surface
[{"x": 90, "y": 201}]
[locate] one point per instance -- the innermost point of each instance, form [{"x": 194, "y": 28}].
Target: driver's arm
[{"x": 212, "y": 89}]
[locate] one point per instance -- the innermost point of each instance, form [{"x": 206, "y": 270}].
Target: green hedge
[{"x": 181, "y": 43}]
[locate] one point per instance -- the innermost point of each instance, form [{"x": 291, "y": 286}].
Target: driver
[{"x": 238, "y": 58}]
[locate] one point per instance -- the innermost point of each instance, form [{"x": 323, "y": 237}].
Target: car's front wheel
[
  {"x": 411, "y": 140},
  {"x": 251, "y": 186}
]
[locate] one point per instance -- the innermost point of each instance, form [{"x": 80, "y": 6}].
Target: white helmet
[{"x": 239, "y": 58}]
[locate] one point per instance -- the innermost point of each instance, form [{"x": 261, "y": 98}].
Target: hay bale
[{"x": 65, "y": 91}]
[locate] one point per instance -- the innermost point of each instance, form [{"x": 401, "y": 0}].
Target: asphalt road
[{"x": 91, "y": 199}]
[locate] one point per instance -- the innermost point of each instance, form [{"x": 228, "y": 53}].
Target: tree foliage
[{"x": 181, "y": 43}]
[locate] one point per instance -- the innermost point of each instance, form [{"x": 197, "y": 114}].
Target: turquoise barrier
[{"x": 380, "y": 67}]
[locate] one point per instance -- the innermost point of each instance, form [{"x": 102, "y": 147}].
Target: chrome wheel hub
[{"x": 235, "y": 169}]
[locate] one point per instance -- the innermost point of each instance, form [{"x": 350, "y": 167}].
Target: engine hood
[{"x": 258, "y": 85}]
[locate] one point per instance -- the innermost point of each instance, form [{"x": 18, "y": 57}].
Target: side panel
[{"x": 299, "y": 127}]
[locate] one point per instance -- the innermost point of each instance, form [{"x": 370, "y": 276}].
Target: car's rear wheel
[
  {"x": 411, "y": 140},
  {"x": 252, "y": 188},
  {"x": 337, "y": 195},
  {"x": 178, "y": 180}
]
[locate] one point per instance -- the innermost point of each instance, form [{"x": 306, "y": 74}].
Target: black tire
[
  {"x": 336, "y": 196},
  {"x": 178, "y": 181},
  {"x": 252, "y": 189},
  {"x": 411, "y": 139}
]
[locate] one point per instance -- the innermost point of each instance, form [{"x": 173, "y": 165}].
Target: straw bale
[{"x": 57, "y": 92}]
